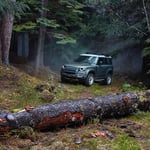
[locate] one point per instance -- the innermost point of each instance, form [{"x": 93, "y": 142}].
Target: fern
[
  {"x": 72, "y": 4},
  {"x": 24, "y": 27},
  {"x": 64, "y": 39},
  {"x": 148, "y": 41},
  {"x": 146, "y": 51},
  {"x": 48, "y": 22}
]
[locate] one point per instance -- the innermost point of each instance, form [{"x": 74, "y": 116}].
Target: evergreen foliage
[
  {"x": 26, "y": 26},
  {"x": 48, "y": 22},
  {"x": 146, "y": 50},
  {"x": 76, "y": 22},
  {"x": 64, "y": 39},
  {"x": 10, "y": 6},
  {"x": 120, "y": 18}
]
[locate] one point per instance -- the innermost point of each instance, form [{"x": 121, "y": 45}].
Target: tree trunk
[
  {"x": 0, "y": 44},
  {"x": 146, "y": 15},
  {"x": 76, "y": 111},
  {"x": 40, "y": 50},
  {"x": 6, "y": 25},
  {"x": 6, "y": 33}
]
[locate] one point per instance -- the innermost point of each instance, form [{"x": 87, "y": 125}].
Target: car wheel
[
  {"x": 108, "y": 79},
  {"x": 90, "y": 79}
]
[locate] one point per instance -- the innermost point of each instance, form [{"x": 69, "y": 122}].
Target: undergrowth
[
  {"x": 124, "y": 142},
  {"x": 27, "y": 95},
  {"x": 24, "y": 93}
]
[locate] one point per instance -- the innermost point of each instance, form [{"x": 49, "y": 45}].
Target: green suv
[{"x": 88, "y": 68}]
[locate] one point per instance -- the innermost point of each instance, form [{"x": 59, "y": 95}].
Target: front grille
[{"x": 70, "y": 70}]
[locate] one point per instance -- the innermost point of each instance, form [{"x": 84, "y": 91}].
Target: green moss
[
  {"x": 27, "y": 95},
  {"x": 133, "y": 87},
  {"x": 141, "y": 116},
  {"x": 98, "y": 143},
  {"x": 124, "y": 142},
  {"x": 92, "y": 144}
]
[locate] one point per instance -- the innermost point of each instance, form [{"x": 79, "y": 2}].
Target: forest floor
[{"x": 22, "y": 87}]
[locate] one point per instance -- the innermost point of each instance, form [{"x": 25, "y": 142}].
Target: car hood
[{"x": 78, "y": 65}]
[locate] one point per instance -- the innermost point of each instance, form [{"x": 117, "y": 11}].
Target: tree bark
[
  {"x": 7, "y": 25},
  {"x": 76, "y": 111},
  {"x": 146, "y": 15},
  {"x": 40, "y": 49},
  {"x": 0, "y": 44}
]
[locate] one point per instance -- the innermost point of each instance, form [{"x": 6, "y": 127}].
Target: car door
[{"x": 101, "y": 68}]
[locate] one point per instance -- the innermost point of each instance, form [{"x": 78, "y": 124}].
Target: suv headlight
[
  {"x": 63, "y": 67},
  {"x": 81, "y": 69}
]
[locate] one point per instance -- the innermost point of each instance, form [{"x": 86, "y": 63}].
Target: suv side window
[
  {"x": 101, "y": 61},
  {"x": 93, "y": 60}
]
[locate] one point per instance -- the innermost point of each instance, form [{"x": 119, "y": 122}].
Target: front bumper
[{"x": 77, "y": 75}]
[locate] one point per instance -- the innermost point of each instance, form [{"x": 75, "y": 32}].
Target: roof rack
[{"x": 99, "y": 55}]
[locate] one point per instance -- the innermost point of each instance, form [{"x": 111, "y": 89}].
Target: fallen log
[{"x": 75, "y": 111}]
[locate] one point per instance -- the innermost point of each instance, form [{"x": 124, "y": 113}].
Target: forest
[
  {"x": 68, "y": 28},
  {"x": 37, "y": 38}
]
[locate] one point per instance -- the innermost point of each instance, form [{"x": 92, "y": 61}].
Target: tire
[
  {"x": 89, "y": 80},
  {"x": 108, "y": 79}
]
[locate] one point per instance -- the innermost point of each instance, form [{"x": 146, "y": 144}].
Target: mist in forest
[{"x": 126, "y": 55}]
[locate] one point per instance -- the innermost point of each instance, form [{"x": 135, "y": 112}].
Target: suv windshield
[{"x": 86, "y": 59}]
